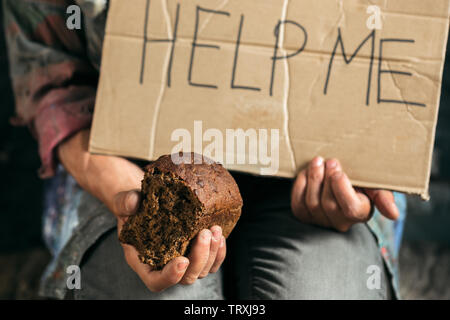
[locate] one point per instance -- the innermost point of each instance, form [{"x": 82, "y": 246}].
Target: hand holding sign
[{"x": 323, "y": 195}]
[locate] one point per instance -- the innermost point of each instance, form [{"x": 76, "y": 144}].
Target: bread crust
[{"x": 161, "y": 229}]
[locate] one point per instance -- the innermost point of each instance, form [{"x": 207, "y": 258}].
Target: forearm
[{"x": 102, "y": 176}]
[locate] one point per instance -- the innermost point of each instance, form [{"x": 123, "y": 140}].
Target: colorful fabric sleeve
[{"x": 53, "y": 81}]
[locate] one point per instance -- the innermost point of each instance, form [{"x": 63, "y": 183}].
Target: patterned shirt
[{"x": 54, "y": 74}]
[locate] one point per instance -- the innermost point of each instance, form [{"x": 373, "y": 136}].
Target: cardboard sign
[{"x": 264, "y": 86}]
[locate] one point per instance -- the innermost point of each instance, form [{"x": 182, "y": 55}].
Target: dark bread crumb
[{"x": 179, "y": 200}]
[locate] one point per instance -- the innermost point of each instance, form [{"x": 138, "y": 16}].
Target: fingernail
[
  {"x": 222, "y": 242},
  {"x": 317, "y": 162},
  {"x": 182, "y": 266},
  {"x": 331, "y": 164},
  {"x": 395, "y": 209},
  {"x": 217, "y": 234},
  {"x": 131, "y": 201},
  {"x": 205, "y": 236}
]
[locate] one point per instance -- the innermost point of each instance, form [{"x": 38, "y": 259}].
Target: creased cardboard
[{"x": 333, "y": 78}]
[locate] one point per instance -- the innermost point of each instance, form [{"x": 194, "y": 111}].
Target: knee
[{"x": 322, "y": 264}]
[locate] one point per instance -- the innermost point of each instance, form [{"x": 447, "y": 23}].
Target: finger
[
  {"x": 298, "y": 193},
  {"x": 198, "y": 257},
  {"x": 220, "y": 257},
  {"x": 384, "y": 201},
  {"x": 156, "y": 281},
  {"x": 316, "y": 171},
  {"x": 355, "y": 207},
  {"x": 214, "y": 247},
  {"x": 126, "y": 203},
  {"x": 329, "y": 202}
]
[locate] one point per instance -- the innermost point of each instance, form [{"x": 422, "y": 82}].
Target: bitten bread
[{"x": 179, "y": 200}]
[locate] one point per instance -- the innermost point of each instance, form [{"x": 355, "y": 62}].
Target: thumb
[
  {"x": 126, "y": 203},
  {"x": 384, "y": 201}
]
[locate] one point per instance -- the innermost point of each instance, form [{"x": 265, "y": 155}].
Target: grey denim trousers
[{"x": 270, "y": 255}]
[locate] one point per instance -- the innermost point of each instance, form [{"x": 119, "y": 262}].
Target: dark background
[
  {"x": 22, "y": 255},
  {"x": 425, "y": 254}
]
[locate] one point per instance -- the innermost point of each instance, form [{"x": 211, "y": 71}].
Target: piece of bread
[{"x": 178, "y": 201}]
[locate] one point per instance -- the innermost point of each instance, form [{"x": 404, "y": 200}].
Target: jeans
[{"x": 270, "y": 255}]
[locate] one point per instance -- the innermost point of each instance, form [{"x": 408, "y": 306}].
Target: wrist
[
  {"x": 74, "y": 156},
  {"x": 102, "y": 176}
]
